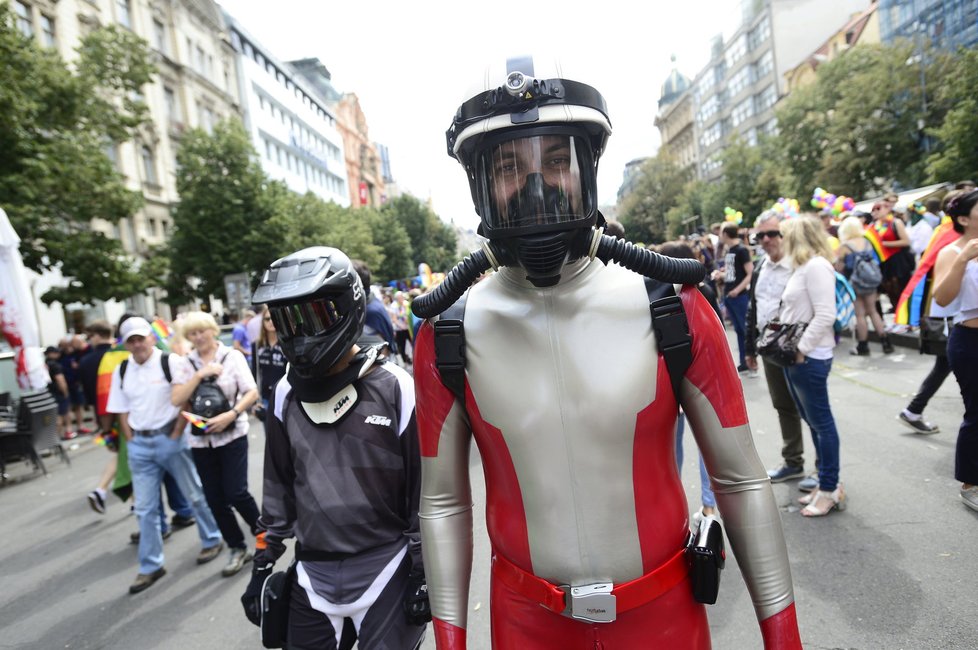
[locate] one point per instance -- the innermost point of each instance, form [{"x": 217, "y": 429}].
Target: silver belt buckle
[{"x": 592, "y": 603}]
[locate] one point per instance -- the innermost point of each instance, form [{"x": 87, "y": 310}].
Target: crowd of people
[{"x": 790, "y": 276}]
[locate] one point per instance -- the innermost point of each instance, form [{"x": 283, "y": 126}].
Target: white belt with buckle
[{"x": 592, "y": 603}]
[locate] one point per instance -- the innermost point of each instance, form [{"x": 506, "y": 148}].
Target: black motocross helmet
[
  {"x": 530, "y": 148},
  {"x": 318, "y": 306}
]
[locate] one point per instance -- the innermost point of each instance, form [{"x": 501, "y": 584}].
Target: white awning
[{"x": 906, "y": 198}]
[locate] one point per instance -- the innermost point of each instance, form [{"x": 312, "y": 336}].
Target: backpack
[
  {"x": 669, "y": 324},
  {"x": 866, "y": 275},
  {"x": 164, "y": 361},
  {"x": 845, "y": 304},
  {"x": 208, "y": 400}
]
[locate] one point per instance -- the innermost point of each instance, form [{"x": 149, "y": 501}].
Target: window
[
  {"x": 172, "y": 106},
  {"x": 149, "y": 166},
  {"x": 200, "y": 60},
  {"x": 159, "y": 36},
  {"x": 25, "y": 23},
  {"x": 112, "y": 153},
  {"x": 766, "y": 98},
  {"x": 152, "y": 227},
  {"x": 742, "y": 111},
  {"x": 48, "y": 35},
  {"x": 759, "y": 34},
  {"x": 123, "y": 14},
  {"x": 708, "y": 109},
  {"x": 763, "y": 66},
  {"x": 739, "y": 81},
  {"x": 268, "y": 149},
  {"x": 736, "y": 51}
]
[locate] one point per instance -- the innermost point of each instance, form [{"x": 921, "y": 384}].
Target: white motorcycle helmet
[{"x": 530, "y": 144}]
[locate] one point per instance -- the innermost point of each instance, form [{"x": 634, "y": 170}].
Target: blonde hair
[
  {"x": 805, "y": 238},
  {"x": 198, "y": 320},
  {"x": 851, "y": 228}
]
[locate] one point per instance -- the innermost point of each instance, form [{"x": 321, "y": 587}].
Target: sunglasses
[
  {"x": 311, "y": 318},
  {"x": 767, "y": 233}
]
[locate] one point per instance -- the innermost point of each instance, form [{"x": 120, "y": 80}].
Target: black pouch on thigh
[{"x": 275, "y": 595}]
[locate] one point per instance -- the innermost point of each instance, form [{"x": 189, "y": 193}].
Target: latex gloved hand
[
  {"x": 251, "y": 599},
  {"x": 416, "y": 605}
]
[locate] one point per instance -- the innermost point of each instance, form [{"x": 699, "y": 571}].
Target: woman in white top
[
  {"x": 220, "y": 454},
  {"x": 809, "y": 297},
  {"x": 956, "y": 290}
]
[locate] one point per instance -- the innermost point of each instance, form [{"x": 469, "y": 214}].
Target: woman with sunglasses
[
  {"x": 269, "y": 360},
  {"x": 855, "y": 248},
  {"x": 221, "y": 450}
]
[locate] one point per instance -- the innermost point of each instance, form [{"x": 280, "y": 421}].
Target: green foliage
[
  {"x": 309, "y": 221},
  {"x": 644, "y": 211},
  {"x": 225, "y": 221},
  {"x": 432, "y": 241},
  {"x": 54, "y": 174},
  {"x": 392, "y": 238},
  {"x": 957, "y": 156}
]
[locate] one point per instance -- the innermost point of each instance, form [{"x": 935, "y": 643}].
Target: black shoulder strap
[
  {"x": 671, "y": 331},
  {"x": 450, "y": 347},
  {"x": 165, "y": 362},
  {"x": 122, "y": 370}
]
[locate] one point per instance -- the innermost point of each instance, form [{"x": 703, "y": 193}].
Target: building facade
[
  {"x": 195, "y": 87},
  {"x": 364, "y": 166},
  {"x": 735, "y": 93},
  {"x": 861, "y": 29},
  {"x": 675, "y": 121},
  {"x": 947, "y": 24},
  {"x": 294, "y": 131}
]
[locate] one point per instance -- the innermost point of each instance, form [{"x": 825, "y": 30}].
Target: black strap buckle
[
  {"x": 450, "y": 354},
  {"x": 672, "y": 335}
]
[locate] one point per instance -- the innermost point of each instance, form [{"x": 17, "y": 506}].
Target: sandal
[
  {"x": 807, "y": 498},
  {"x": 834, "y": 500}
]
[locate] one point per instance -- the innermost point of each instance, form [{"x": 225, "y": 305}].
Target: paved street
[{"x": 896, "y": 570}]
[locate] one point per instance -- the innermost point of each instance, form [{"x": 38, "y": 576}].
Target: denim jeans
[
  {"x": 149, "y": 457},
  {"x": 809, "y": 386},
  {"x": 962, "y": 352},
  {"x": 224, "y": 473},
  {"x": 737, "y": 310},
  {"x": 706, "y": 488}
]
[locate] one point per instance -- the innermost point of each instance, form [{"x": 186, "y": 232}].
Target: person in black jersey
[{"x": 342, "y": 468}]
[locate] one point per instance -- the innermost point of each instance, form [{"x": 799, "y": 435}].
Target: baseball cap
[{"x": 134, "y": 326}]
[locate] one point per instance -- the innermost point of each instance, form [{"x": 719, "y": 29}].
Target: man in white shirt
[
  {"x": 768, "y": 283},
  {"x": 140, "y": 395}
]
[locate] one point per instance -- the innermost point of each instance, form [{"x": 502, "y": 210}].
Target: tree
[
  {"x": 698, "y": 199},
  {"x": 856, "y": 130},
  {"x": 392, "y": 238},
  {"x": 957, "y": 155},
  {"x": 226, "y": 220},
  {"x": 750, "y": 179},
  {"x": 643, "y": 212},
  {"x": 55, "y": 176},
  {"x": 432, "y": 241}
]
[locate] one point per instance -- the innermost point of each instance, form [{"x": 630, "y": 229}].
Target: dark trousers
[
  {"x": 962, "y": 352},
  {"x": 401, "y": 338},
  {"x": 737, "y": 311},
  {"x": 932, "y": 382},
  {"x": 793, "y": 446},
  {"x": 224, "y": 474},
  {"x": 178, "y": 502}
]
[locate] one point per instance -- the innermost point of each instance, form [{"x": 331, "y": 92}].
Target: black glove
[
  {"x": 251, "y": 600},
  {"x": 416, "y": 605}
]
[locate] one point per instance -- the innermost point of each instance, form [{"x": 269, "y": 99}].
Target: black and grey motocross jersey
[{"x": 348, "y": 487}]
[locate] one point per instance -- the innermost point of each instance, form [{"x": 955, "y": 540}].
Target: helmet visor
[
  {"x": 310, "y": 318},
  {"x": 533, "y": 181}
]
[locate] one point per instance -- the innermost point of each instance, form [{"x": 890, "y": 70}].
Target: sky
[{"x": 411, "y": 64}]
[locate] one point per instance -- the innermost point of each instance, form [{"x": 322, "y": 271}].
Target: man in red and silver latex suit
[{"x": 571, "y": 406}]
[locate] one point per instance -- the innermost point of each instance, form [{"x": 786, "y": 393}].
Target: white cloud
[{"x": 413, "y": 63}]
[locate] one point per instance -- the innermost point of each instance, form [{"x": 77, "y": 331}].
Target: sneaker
[
  {"x": 970, "y": 497},
  {"x": 145, "y": 580},
  {"x": 134, "y": 537},
  {"x": 751, "y": 373},
  {"x": 785, "y": 473},
  {"x": 742, "y": 368},
  {"x": 179, "y": 521},
  {"x": 808, "y": 483},
  {"x": 209, "y": 553},
  {"x": 917, "y": 423},
  {"x": 97, "y": 502},
  {"x": 69, "y": 435},
  {"x": 237, "y": 560}
]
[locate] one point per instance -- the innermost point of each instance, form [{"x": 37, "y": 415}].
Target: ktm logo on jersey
[
  {"x": 340, "y": 404},
  {"x": 378, "y": 419}
]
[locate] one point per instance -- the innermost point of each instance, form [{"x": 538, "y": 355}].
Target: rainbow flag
[
  {"x": 161, "y": 329},
  {"x": 103, "y": 382},
  {"x": 195, "y": 419},
  {"x": 875, "y": 238},
  {"x": 915, "y": 298}
]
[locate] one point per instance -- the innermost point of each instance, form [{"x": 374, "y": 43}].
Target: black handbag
[
  {"x": 275, "y": 596},
  {"x": 933, "y": 336},
  {"x": 779, "y": 342}
]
